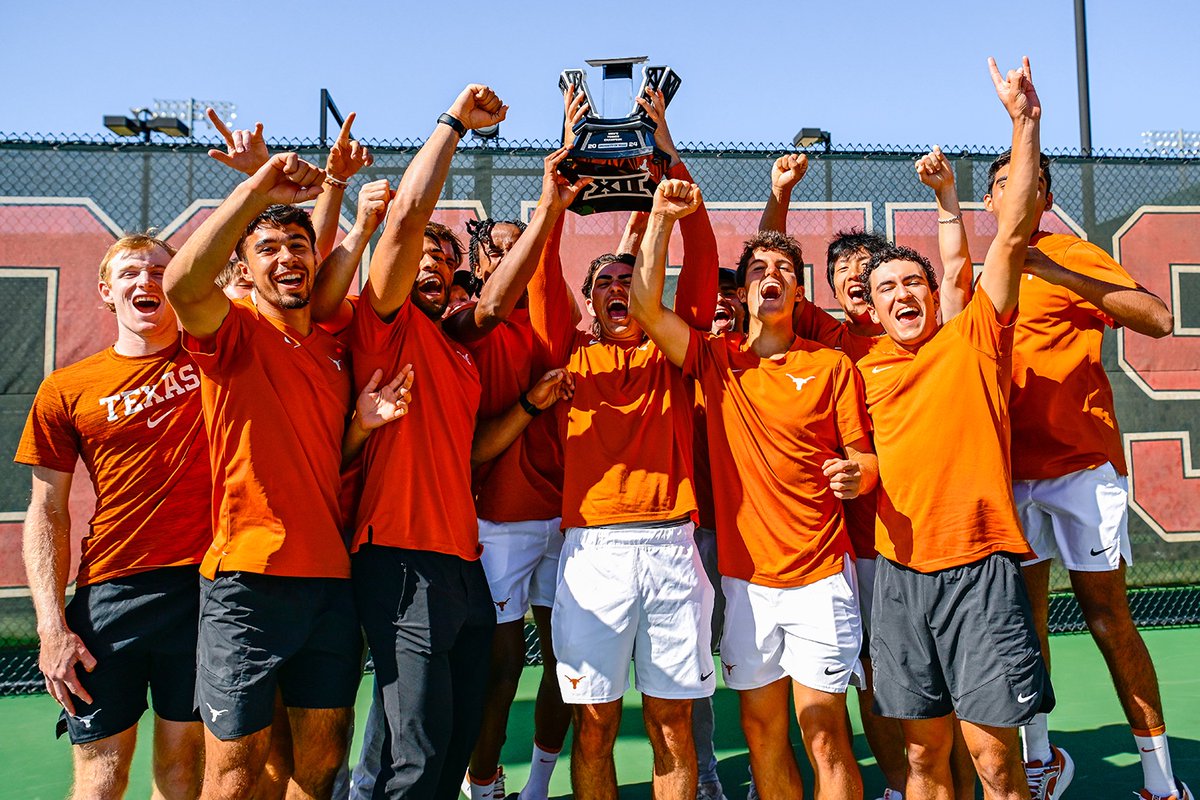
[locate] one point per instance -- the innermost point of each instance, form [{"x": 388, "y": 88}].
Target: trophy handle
[
  {"x": 577, "y": 78},
  {"x": 663, "y": 79}
]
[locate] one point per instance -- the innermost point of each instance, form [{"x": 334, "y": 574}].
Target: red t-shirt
[
  {"x": 1063, "y": 418},
  {"x": 275, "y": 403},
  {"x": 136, "y": 423},
  {"x": 417, "y": 470},
  {"x": 525, "y": 481},
  {"x": 772, "y": 424},
  {"x": 941, "y": 433}
]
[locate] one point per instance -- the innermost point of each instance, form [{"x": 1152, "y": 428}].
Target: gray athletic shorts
[{"x": 959, "y": 639}]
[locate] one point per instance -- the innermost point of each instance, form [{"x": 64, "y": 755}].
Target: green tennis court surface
[{"x": 1088, "y": 723}]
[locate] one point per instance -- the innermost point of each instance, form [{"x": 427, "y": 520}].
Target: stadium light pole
[
  {"x": 1081, "y": 70},
  {"x": 328, "y": 107}
]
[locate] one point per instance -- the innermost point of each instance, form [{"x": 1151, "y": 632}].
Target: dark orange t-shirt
[
  {"x": 627, "y": 433},
  {"x": 525, "y": 481},
  {"x": 1063, "y": 418},
  {"x": 941, "y": 433},
  {"x": 820, "y": 326},
  {"x": 136, "y": 423},
  {"x": 275, "y": 403},
  {"x": 772, "y": 424},
  {"x": 417, "y": 470}
]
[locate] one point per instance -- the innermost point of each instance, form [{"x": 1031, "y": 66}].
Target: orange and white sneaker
[
  {"x": 1049, "y": 779},
  {"x": 1182, "y": 792}
]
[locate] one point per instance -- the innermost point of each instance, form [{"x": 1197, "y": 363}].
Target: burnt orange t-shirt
[
  {"x": 772, "y": 424},
  {"x": 820, "y": 326},
  {"x": 417, "y": 470},
  {"x": 136, "y": 423},
  {"x": 941, "y": 433},
  {"x": 275, "y": 403},
  {"x": 525, "y": 481},
  {"x": 1063, "y": 418}
]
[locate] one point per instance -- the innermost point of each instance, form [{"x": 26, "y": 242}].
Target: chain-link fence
[{"x": 63, "y": 201}]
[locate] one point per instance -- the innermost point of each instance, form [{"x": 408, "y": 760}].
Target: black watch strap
[
  {"x": 529, "y": 407},
  {"x": 453, "y": 122}
]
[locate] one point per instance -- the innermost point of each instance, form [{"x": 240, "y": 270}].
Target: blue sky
[{"x": 893, "y": 73}]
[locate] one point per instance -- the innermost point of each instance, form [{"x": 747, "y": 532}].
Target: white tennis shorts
[
  {"x": 632, "y": 593},
  {"x": 811, "y": 634},
  {"x": 1082, "y": 518},
  {"x": 520, "y": 560}
]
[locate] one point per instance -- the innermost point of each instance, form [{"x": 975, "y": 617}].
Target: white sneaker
[
  {"x": 1182, "y": 792},
  {"x": 710, "y": 791},
  {"x": 891, "y": 794},
  {"x": 1048, "y": 780},
  {"x": 485, "y": 791}
]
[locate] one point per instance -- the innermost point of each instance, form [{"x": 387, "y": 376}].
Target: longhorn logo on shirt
[
  {"x": 728, "y": 667},
  {"x": 799, "y": 381},
  {"x": 500, "y": 604},
  {"x": 574, "y": 681},
  {"x": 131, "y": 401}
]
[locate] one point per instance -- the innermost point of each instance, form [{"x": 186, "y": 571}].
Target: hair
[
  {"x": 130, "y": 243},
  {"x": 464, "y": 280},
  {"x": 848, "y": 243},
  {"x": 229, "y": 274},
  {"x": 895, "y": 252},
  {"x": 777, "y": 242},
  {"x": 599, "y": 263},
  {"x": 278, "y": 216},
  {"x": 1004, "y": 158},
  {"x": 727, "y": 274},
  {"x": 441, "y": 233},
  {"x": 480, "y": 233}
]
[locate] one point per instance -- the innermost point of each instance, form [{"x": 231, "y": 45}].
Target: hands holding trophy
[{"x": 620, "y": 154}]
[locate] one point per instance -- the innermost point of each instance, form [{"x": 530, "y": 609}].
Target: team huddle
[{"x": 283, "y": 469}]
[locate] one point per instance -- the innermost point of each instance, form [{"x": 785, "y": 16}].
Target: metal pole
[
  {"x": 324, "y": 123},
  {"x": 1081, "y": 69}
]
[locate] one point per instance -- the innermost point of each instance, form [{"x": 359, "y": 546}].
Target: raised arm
[
  {"x": 673, "y": 200},
  {"x": 189, "y": 279},
  {"x": 1017, "y": 215},
  {"x": 697, "y": 285},
  {"x": 553, "y": 313},
  {"x": 46, "y": 545},
  {"x": 787, "y": 171},
  {"x": 245, "y": 150},
  {"x": 504, "y": 288},
  {"x": 346, "y": 158},
  {"x": 957, "y": 273},
  {"x": 493, "y": 436},
  {"x": 1131, "y": 307},
  {"x": 397, "y": 257},
  {"x": 336, "y": 275}
]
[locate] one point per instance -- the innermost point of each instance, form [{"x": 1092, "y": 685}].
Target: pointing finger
[
  {"x": 344, "y": 134},
  {"x": 217, "y": 123}
]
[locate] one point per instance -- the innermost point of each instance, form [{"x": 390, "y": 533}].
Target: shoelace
[{"x": 1036, "y": 776}]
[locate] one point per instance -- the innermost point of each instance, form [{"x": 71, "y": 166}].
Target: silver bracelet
[
  {"x": 332, "y": 181},
  {"x": 951, "y": 220}
]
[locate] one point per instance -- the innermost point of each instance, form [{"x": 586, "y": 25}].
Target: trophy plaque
[{"x": 618, "y": 153}]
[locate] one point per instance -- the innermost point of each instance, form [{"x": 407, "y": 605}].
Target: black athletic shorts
[
  {"x": 259, "y": 632},
  {"x": 142, "y": 631},
  {"x": 959, "y": 639}
]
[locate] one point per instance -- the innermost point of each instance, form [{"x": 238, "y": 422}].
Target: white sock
[
  {"x": 1035, "y": 739},
  {"x": 484, "y": 791},
  {"x": 541, "y": 767},
  {"x": 1156, "y": 761}
]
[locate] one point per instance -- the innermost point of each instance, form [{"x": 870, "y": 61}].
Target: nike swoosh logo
[
  {"x": 877, "y": 370},
  {"x": 1147, "y": 749},
  {"x": 1096, "y": 552},
  {"x": 1023, "y": 698},
  {"x": 829, "y": 671},
  {"x": 705, "y": 676},
  {"x": 153, "y": 422}
]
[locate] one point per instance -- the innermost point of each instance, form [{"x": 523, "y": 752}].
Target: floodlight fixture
[
  {"x": 807, "y": 137},
  {"x": 143, "y": 123}
]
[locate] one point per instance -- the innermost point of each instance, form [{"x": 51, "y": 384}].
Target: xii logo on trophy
[{"x": 617, "y": 152}]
